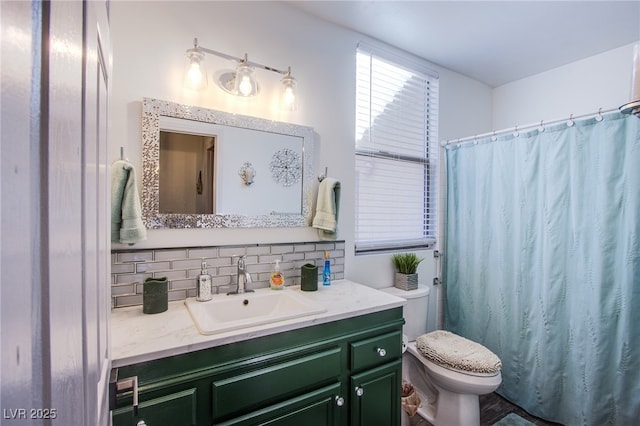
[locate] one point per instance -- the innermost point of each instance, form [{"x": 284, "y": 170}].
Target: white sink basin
[{"x": 232, "y": 312}]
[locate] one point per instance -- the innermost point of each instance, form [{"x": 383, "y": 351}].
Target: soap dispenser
[
  {"x": 326, "y": 273},
  {"x": 204, "y": 284},
  {"x": 277, "y": 279}
]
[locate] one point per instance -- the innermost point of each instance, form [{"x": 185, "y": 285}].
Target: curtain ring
[
  {"x": 599, "y": 117},
  {"x": 494, "y": 137},
  {"x": 516, "y": 133},
  {"x": 570, "y": 123},
  {"x": 541, "y": 128}
]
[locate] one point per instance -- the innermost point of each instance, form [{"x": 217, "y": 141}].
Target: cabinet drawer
[
  {"x": 176, "y": 409},
  {"x": 273, "y": 383},
  {"x": 376, "y": 350},
  {"x": 317, "y": 408}
]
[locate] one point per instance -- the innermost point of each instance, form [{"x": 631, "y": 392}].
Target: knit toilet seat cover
[{"x": 457, "y": 353}]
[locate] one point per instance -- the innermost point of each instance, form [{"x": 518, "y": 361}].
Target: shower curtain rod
[{"x": 516, "y": 129}]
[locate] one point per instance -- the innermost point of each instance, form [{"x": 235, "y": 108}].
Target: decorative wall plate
[{"x": 286, "y": 167}]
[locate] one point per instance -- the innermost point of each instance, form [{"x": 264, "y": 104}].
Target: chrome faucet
[{"x": 244, "y": 277}]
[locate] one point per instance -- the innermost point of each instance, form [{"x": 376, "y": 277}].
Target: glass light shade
[
  {"x": 245, "y": 82},
  {"x": 195, "y": 73},
  {"x": 289, "y": 94}
]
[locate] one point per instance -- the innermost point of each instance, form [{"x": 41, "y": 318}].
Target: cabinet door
[
  {"x": 267, "y": 386},
  {"x": 318, "y": 408},
  {"x": 375, "y": 396},
  {"x": 176, "y": 409}
]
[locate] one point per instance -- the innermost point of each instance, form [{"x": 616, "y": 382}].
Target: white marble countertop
[{"x": 136, "y": 337}]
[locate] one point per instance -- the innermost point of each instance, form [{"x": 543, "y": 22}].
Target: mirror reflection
[
  {"x": 205, "y": 168},
  {"x": 230, "y": 171},
  {"x": 187, "y": 173}
]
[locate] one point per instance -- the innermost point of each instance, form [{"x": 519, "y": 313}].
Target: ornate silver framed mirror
[{"x": 191, "y": 161}]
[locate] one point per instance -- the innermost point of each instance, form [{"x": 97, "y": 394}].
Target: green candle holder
[
  {"x": 155, "y": 295},
  {"x": 309, "y": 274}
]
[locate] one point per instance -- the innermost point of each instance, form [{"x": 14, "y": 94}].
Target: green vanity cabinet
[
  {"x": 339, "y": 373},
  {"x": 376, "y": 395}
]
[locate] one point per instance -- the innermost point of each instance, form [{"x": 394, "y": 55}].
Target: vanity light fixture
[{"x": 240, "y": 82}]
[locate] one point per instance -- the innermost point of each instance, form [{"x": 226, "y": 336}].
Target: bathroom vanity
[{"x": 338, "y": 367}]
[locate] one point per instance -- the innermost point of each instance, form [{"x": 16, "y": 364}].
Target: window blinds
[{"x": 396, "y": 151}]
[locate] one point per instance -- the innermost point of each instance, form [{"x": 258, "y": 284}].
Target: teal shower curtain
[{"x": 543, "y": 265}]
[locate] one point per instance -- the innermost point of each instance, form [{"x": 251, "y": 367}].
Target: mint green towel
[
  {"x": 126, "y": 213},
  {"x": 326, "y": 218}
]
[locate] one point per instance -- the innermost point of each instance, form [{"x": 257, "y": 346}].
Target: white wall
[
  {"x": 582, "y": 87},
  {"x": 149, "y": 40}
]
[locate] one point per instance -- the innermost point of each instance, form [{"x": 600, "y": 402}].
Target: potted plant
[{"x": 406, "y": 265}]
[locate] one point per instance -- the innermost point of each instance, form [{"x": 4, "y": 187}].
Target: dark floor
[{"x": 493, "y": 407}]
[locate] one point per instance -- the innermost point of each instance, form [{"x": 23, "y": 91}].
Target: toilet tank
[{"x": 415, "y": 311}]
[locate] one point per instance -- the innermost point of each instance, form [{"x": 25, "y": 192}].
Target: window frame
[{"x": 418, "y": 68}]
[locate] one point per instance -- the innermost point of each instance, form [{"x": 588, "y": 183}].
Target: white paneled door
[{"x": 54, "y": 227}]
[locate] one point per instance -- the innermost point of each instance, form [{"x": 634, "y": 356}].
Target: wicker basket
[{"x": 406, "y": 281}]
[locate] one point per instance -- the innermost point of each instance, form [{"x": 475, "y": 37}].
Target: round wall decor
[{"x": 286, "y": 167}]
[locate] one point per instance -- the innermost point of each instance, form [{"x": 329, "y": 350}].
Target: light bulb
[
  {"x": 194, "y": 75},
  {"x": 289, "y": 97},
  {"x": 245, "y": 83},
  {"x": 245, "y": 87}
]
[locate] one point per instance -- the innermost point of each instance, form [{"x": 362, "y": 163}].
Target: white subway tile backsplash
[
  {"x": 280, "y": 249},
  {"x": 152, "y": 266},
  {"x": 232, "y": 251},
  {"x": 123, "y": 289},
  {"x": 170, "y": 254},
  {"x": 181, "y": 284},
  {"x": 258, "y": 250},
  {"x": 138, "y": 256},
  {"x": 292, "y": 256},
  {"x": 122, "y": 268},
  {"x": 127, "y": 300},
  {"x": 130, "y": 268},
  {"x": 200, "y": 252}
]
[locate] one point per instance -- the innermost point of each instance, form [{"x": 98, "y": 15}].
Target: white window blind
[{"x": 396, "y": 151}]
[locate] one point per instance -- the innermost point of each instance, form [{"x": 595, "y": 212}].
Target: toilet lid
[{"x": 457, "y": 353}]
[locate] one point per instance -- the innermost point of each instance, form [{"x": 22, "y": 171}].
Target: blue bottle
[{"x": 326, "y": 273}]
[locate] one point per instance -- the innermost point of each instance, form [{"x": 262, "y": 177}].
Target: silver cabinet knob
[
  {"x": 339, "y": 401},
  {"x": 359, "y": 391},
  {"x": 141, "y": 423},
  {"x": 381, "y": 352}
]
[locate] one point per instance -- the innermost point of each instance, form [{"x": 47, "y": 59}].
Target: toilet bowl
[
  {"x": 451, "y": 396},
  {"x": 448, "y": 385}
]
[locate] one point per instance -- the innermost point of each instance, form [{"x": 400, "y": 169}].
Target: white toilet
[{"x": 447, "y": 371}]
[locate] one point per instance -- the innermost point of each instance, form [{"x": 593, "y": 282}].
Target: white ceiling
[{"x": 495, "y": 42}]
